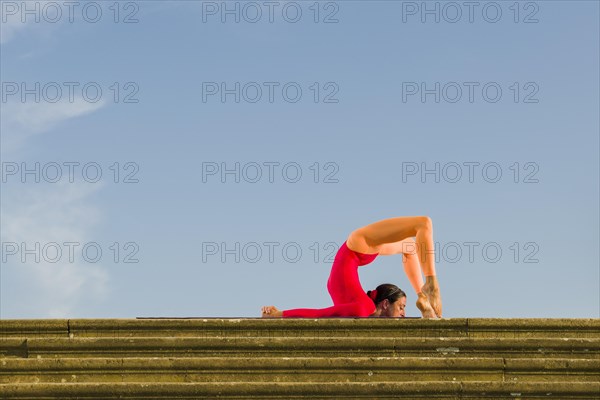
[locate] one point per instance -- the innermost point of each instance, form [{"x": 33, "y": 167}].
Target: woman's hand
[{"x": 271, "y": 312}]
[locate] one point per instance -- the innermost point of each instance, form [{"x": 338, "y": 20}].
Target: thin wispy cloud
[
  {"x": 10, "y": 26},
  {"x": 46, "y": 213},
  {"x": 40, "y": 17},
  {"x": 22, "y": 120},
  {"x": 45, "y": 18}
]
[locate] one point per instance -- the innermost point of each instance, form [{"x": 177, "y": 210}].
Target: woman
[{"x": 385, "y": 237}]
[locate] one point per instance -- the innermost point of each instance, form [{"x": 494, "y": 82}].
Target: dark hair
[{"x": 386, "y": 291}]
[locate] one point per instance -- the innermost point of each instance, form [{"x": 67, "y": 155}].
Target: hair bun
[{"x": 372, "y": 294}]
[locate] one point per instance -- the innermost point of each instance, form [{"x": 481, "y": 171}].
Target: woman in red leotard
[{"x": 385, "y": 237}]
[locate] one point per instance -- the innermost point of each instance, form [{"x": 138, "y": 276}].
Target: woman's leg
[
  {"x": 372, "y": 237},
  {"x": 412, "y": 268},
  {"x": 410, "y": 260}
]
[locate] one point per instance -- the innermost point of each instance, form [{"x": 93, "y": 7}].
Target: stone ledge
[
  {"x": 449, "y": 327},
  {"x": 301, "y": 346},
  {"x": 566, "y": 390},
  {"x": 295, "y": 369},
  {"x": 348, "y": 358}
]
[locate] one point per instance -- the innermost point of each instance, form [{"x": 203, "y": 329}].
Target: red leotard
[{"x": 349, "y": 298}]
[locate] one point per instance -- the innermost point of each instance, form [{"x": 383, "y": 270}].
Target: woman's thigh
[{"x": 369, "y": 238}]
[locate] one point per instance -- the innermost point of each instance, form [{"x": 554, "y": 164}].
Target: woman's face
[{"x": 396, "y": 309}]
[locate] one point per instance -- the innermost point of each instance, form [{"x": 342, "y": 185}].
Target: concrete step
[
  {"x": 298, "y": 327},
  {"x": 301, "y": 347},
  {"x": 293, "y": 390},
  {"x": 296, "y": 369},
  {"x": 349, "y": 358}
]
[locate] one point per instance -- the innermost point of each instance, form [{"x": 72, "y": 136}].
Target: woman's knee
[{"x": 425, "y": 222}]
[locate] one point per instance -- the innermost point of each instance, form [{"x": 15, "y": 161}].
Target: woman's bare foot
[
  {"x": 431, "y": 289},
  {"x": 424, "y": 306},
  {"x": 271, "y": 312}
]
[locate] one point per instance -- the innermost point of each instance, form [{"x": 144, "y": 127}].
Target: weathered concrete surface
[
  {"x": 33, "y": 327},
  {"x": 300, "y": 358},
  {"x": 303, "y": 346},
  {"x": 292, "y": 327},
  {"x": 295, "y": 369},
  {"x": 308, "y": 390}
]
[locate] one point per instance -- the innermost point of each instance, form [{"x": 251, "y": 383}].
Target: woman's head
[{"x": 389, "y": 299}]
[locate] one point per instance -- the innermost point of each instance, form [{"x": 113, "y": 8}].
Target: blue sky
[{"x": 359, "y": 126}]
